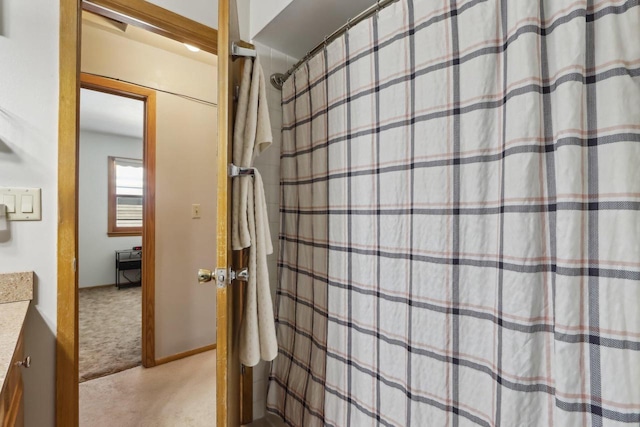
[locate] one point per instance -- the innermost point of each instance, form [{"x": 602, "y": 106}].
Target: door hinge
[{"x": 222, "y": 274}]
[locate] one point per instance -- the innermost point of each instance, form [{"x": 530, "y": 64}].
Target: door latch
[{"x": 221, "y": 275}]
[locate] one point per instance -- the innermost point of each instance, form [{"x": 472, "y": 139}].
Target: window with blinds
[{"x": 126, "y": 185}]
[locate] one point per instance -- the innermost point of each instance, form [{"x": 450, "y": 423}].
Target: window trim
[{"x": 112, "y": 229}]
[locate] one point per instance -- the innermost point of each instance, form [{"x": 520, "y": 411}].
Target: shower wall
[{"x": 268, "y": 163}]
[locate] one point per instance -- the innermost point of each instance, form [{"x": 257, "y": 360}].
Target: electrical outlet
[{"x": 195, "y": 211}]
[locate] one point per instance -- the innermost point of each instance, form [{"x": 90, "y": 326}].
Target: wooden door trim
[
  {"x": 232, "y": 385},
  {"x": 228, "y": 387},
  {"x": 182, "y": 355},
  {"x": 148, "y": 96},
  {"x": 158, "y": 20},
  {"x": 222, "y": 296},
  {"x": 67, "y": 391}
]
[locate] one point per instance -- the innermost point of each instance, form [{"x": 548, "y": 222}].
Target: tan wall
[
  {"x": 186, "y": 135},
  {"x": 185, "y": 310}
]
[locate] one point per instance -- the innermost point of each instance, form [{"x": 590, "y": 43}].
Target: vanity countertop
[
  {"x": 12, "y": 315},
  {"x": 16, "y": 286}
]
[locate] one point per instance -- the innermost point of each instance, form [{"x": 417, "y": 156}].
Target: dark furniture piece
[{"x": 127, "y": 260}]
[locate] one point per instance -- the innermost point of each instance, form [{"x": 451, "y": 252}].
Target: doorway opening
[
  {"x": 230, "y": 393},
  {"x": 167, "y": 173},
  {"x": 117, "y": 129}
]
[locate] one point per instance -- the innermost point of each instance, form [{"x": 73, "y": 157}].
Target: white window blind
[{"x": 128, "y": 192}]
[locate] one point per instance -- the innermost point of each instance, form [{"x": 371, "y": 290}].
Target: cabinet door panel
[{"x": 11, "y": 399}]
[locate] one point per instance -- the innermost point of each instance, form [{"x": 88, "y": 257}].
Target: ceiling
[
  {"x": 106, "y": 113},
  {"x": 304, "y": 23}
]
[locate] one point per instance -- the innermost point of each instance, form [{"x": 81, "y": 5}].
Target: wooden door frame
[
  {"x": 234, "y": 384},
  {"x": 146, "y": 15},
  {"x": 148, "y": 96},
  {"x": 224, "y": 302}
]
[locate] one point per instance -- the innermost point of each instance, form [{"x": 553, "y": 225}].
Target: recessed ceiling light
[{"x": 192, "y": 48}]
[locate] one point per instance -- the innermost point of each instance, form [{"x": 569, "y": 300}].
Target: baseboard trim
[
  {"x": 185, "y": 354},
  {"x": 97, "y": 286}
]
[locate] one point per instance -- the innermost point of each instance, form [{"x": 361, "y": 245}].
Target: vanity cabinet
[
  {"x": 11, "y": 397},
  {"x": 16, "y": 292}
]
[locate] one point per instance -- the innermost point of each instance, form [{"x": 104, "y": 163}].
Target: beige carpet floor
[
  {"x": 180, "y": 393},
  {"x": 110, "y": 330}
]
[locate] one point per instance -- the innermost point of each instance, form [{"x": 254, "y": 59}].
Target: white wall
[
  {"x": 28, "y": 158},
  {"x": 185, "y": 175},
  {"x": 95, "y": 248},
  {"x": 244, "y": 18},
  {"x": 263, "y": 12}
]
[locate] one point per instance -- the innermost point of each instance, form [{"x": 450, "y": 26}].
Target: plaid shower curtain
[{"x": 460, "y": 240}]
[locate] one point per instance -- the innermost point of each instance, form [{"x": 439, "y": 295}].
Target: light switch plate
[
  {"x": 16, "y": 195},
  {"x": 195, "y": 211}
]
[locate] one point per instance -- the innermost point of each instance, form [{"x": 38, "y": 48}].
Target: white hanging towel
[{"x": 249, "y": 223}]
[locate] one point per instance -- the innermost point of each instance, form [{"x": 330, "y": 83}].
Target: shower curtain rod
[{"x": 278, "y": 79}]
